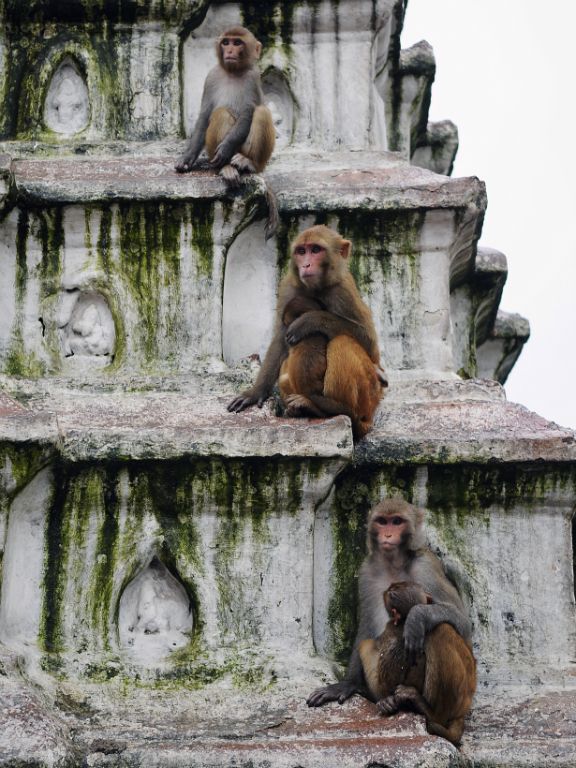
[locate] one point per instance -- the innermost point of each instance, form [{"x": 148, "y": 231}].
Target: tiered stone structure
[{"x": 174, "y": 578}]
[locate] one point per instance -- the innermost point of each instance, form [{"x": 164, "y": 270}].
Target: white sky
[{"x": 506, "y": 75}]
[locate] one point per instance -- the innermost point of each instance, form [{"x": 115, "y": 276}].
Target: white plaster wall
[
  {"x": 331, "y": 70},
  {"x": 250, "y": 288},
  {"x": 8, "y": 282},
  {"x": 23, "y": 562},
  {"x": 523, "y": 597},
  {"x": 188, "y": 322},
  {"x": 154, "y": 103},
  {"x": 408, "y": 293}
]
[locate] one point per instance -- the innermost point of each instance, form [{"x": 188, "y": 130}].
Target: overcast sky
[{"x": 506, "y": 75}]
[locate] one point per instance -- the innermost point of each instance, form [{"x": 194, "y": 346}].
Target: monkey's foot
[
  {"x": 388, "y": 705},
  {"x": 243, "y": 163},
  {"x": 298, "y": 406},
  {"x": 230, "y": 175},
  {"x": 404, "y": 694}
]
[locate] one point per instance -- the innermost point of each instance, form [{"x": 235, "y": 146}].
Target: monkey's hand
[
  {"x": 415, "y": 633},
  {"x": 302, "y": 327},
  {"x": 246, "y": 399},
  {"x": 185, "y": 163},
  {"x": 336, "y": 692}
]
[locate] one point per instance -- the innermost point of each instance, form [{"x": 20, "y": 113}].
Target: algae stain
[
  {"x": 202, "y": 220},
  {"x": 102, "y": 580}
]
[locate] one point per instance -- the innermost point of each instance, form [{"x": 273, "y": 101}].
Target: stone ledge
[
  {"x": 222, "y": 726},
  {"x": 464, "y": 431},
  {"x": 340, "y": 180},
  {"x": 436, "y": 422}
]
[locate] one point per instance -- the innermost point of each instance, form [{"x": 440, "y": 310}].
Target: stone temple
[{"x": 175, "y": 579}]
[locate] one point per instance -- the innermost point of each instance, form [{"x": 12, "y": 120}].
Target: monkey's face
[
  {"x": 311, "y": 260},
  {"x": 232, "y": 52},
  {"x": 390, "y": 531}
]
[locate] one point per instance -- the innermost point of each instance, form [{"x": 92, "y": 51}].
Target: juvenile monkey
[
  {"x": 325, "y": 378},
  {"x": 234, "y": 125},
  {"x": 319, "y": 273},
  {"x": 385, "y": 660},
  {"x": 396, "y": 552},
  {"x": 442, "y": 684}
]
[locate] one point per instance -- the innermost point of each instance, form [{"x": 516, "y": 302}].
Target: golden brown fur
[
  {"x": 347, "y": 360},
  {"x": 440, "y": 685},
  {"x": 321, "y": 378}
]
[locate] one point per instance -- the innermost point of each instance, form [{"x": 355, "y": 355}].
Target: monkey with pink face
[
  {"x": 234, "y": 125},
  {"x": 396, "y": 553}
]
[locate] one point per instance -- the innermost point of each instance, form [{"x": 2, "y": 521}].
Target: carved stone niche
[
  {"x": 279, "y": 100},
  {"x": 67, "y": 104},
  {"x": 155, "y": 617},
  {"x": 86, "y": 327}
]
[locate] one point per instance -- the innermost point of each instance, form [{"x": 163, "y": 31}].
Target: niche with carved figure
[
  {"x": 86, "y": 326},
  {"x": 67, "y": 103},
  {"x": 155, "y": 617},
  {"x": 280, "y": 101}
]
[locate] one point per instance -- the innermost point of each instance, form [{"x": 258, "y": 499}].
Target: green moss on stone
[
  {"x": 56, "y": 556},
  {"x": 150, "y": 262},
  {"x": 202, "y": 218},
  {"x": 20, "y": 362}
]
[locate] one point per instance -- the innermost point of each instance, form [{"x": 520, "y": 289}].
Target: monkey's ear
[
  {"x": 429, "y": 599},
  {"x": 257, "y": 49},
  {"x": 345, "y": 249}
]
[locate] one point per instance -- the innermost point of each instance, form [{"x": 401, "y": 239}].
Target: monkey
[
  {"x": 385, "y": 661},
  {"x": 234, "y": 125},
  {"x": 311, "y": 380},
  {"x": 440, "y": 686},
  {"x": 396, "y": 552},
  {"x": 318, "y": 271}
]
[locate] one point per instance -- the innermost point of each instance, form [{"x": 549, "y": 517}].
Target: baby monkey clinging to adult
[{"x": 439, "y": 686}]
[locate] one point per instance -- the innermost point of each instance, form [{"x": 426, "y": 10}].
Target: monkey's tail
[
  {"x": 453, "y": 732},
  {"x": 273, "y": 218}
]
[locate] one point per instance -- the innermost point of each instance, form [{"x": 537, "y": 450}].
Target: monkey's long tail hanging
[{"x": 273, "y": 218}]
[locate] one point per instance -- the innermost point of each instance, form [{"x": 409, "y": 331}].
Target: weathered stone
[
  {"x": 502, "y": 347},
  {"x": 174, "y": 578}
]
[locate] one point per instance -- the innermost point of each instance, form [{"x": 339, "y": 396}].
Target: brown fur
[
  {"x": 345, "y": 362},
  {"x": 407, "y": 560},
  {"x": 321, "y": 378},
  {"x": 440, "y": 686}
]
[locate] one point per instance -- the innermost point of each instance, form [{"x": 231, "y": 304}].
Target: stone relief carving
[
  {"x": 67, "y": 105},
  {"x": 155, "y": 616},
  {"x": 280, "y": 102},
  {"x": 86, "y": 325}
]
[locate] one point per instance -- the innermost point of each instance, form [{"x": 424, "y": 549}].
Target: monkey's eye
[
  {"x": 225, "y": 41},
  {"x": 238, "y": 42},
  {"x": 397, "y": 520},
  {"x": 316, "y": 248},
  {"x": 300, "y": 250},
  {"x": 380, "y": 520}
]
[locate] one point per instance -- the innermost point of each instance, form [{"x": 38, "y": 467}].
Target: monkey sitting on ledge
[
  {"x": 234, "y": 125},
  {"x": 319, "y": 298},
  {"x": 440, "y": 685},
  {"x": 397, "y": 552}
]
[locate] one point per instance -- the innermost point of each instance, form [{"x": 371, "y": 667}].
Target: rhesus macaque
[
  {"x": 319, "y": 272},
  {"x": 234, "y": 125},
  {"x": 396, "y": 552},
  {"x": 440, "y": 686},
  {"x": 385, "y": 661},
  {"x": 326, "y": 378}
]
